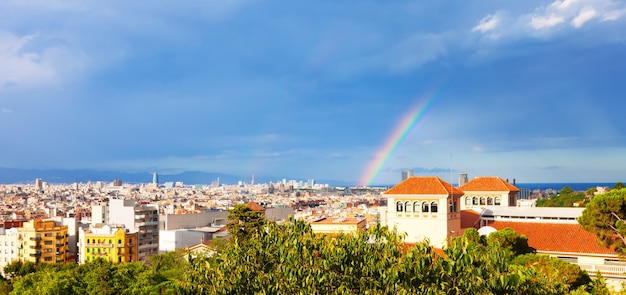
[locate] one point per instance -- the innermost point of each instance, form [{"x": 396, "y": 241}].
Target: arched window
[
  {"x": 87, "y": 241},
  {"x": 425, "y": 207},
  {"x": 497, "y": 201},
  {"x": 483, "y": 201},
  {"x": 407, "y": 206},
  {"x": 489, "y": 200},
  {"x": 468, "y": 201},
  {"x": 475, "y": 201},
  {"x": 433, "y": 207},
  {"x": 399, "y": 207},
  {"x": 417, "y": 207}
]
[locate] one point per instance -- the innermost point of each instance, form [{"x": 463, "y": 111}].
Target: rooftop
[
  {"x": 423, "y": 185},
  {"x": 488, "y": 183}
]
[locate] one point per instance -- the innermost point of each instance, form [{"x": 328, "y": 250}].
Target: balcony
[
  {"x": 618, "y": 271},
  {"x": 35, "y": 238},
  {"x": 101, "y": 245}
]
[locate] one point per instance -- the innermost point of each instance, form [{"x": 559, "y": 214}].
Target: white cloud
[
  {"x": 542, "y": 22},
  {"x": 19, "y": 66},
  {"x": 576, "y": 12},
  {"x": 488, "y": 23},
  {"x": 563, "y": 5},
  {"x": 584, "y": 16},
  {"x": 613, "y": 14}
]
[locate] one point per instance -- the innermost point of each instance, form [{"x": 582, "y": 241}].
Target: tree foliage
[
  {"x": 244, "y": 222},
  {"x": 565, "y": 198},
  {"x": 289, "y": 258},
  {"x": 604, "y": 216}
]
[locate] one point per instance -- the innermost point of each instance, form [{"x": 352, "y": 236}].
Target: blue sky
[{"x": 532, "y": 90}]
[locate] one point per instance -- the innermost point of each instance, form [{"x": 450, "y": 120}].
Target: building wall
[
  {"x": 111, "y": 244},
  {"x": 434, "y": 226},
  {"x": 170, "y": 240},
  {"x": 8, "y": 247},
  {"x": 481, "y": 199},
  {"x": 181, "y": 221},
  {"x": 43, "y": 241}
]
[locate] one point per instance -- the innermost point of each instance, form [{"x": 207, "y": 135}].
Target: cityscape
[{"x": 322, "y": 147}]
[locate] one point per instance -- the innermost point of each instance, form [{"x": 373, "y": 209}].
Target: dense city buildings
[{"x": 121, "y": 222}]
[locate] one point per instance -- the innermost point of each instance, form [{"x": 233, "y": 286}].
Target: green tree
[
  {"x": 618, "y": 185},
  {"x": 511, "y": 240},
  {"x": 245, "y": 222},
  {"x": 604, "y": 216}
]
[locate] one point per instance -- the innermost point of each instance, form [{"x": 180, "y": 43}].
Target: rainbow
[{"x": 410, "y": 120}]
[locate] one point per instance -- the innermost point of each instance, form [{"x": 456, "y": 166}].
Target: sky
[{"x": 354, "y": 91}]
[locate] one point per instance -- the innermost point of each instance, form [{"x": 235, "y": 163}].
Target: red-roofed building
[
  {"x": 485, "y": 191},
  {"x": 554, "y": 232},
  {"x": 424, "y": 207}
]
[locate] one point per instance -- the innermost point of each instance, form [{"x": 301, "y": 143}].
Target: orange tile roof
[
  {"x": 423, "y": 185},
  {"x": 254, "y": 206},
  {"x": 469, "y": 218},
  {"x": 555, "y": 237},
  {"x": 488, "y": 183}
]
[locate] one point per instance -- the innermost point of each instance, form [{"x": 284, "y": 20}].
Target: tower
[
  {"x": 462, "y": 179},
  {"x": 155, "y": 179},
  {"x": 406, "y": 173}
]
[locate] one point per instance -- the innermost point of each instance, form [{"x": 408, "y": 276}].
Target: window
[
  {"x": 417, "y": 206},
  {"x": 497, "y": 201},
  {"x": 468, "y": 201},
  {"x": 482, "y": 201},
  {"x": 407, "y": 206},
  {"x": 475, "y": 200},
  {"x": 433, "y": 207},
  {"x": 489, "y": 200},
  {"x": 425, "y": 207},
  {"x": 399, "y": 206}
]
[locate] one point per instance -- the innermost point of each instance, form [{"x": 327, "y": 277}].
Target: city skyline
[{"x": 354, "y": 92}]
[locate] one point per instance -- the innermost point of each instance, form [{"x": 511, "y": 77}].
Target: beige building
[
  {"x": 43, "y": 241},
  {"x": 338, "y": 225},
  {"x": 483, "y": 191},
  {"x": 424, "y": 207}
]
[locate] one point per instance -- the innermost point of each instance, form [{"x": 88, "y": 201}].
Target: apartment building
[
  {"x": 43, "y": 241},
  {"x": 111, "y": 243},
  {"x": 8, "y": 247},
  {"x": 139, "y": 218}
]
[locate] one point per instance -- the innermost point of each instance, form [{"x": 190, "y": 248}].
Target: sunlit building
[
  {"x": 43, "y": 241},
  {"x": 110, "y": 243}
]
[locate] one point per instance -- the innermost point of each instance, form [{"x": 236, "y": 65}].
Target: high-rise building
[
  {"x": 140, "y": 218},
  {"x": 406, "y": 173},
  {"x": 38, "y": 184},
  {"x": 155, "y": 179},
  {"x": 117, "y": 182},
  {"x": 43, "y": 241}
]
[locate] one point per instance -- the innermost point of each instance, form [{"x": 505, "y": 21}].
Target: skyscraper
[{"x": 155, "y": 178}]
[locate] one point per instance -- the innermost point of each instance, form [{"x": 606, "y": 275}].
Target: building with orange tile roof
[
  {"x": 424, "y": 207},
  {"x": 554, "y": 232},
  {"x": 485, "y": 191}
]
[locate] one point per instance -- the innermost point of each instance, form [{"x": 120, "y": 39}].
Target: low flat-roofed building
[{"x": 338, "y": 225}]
